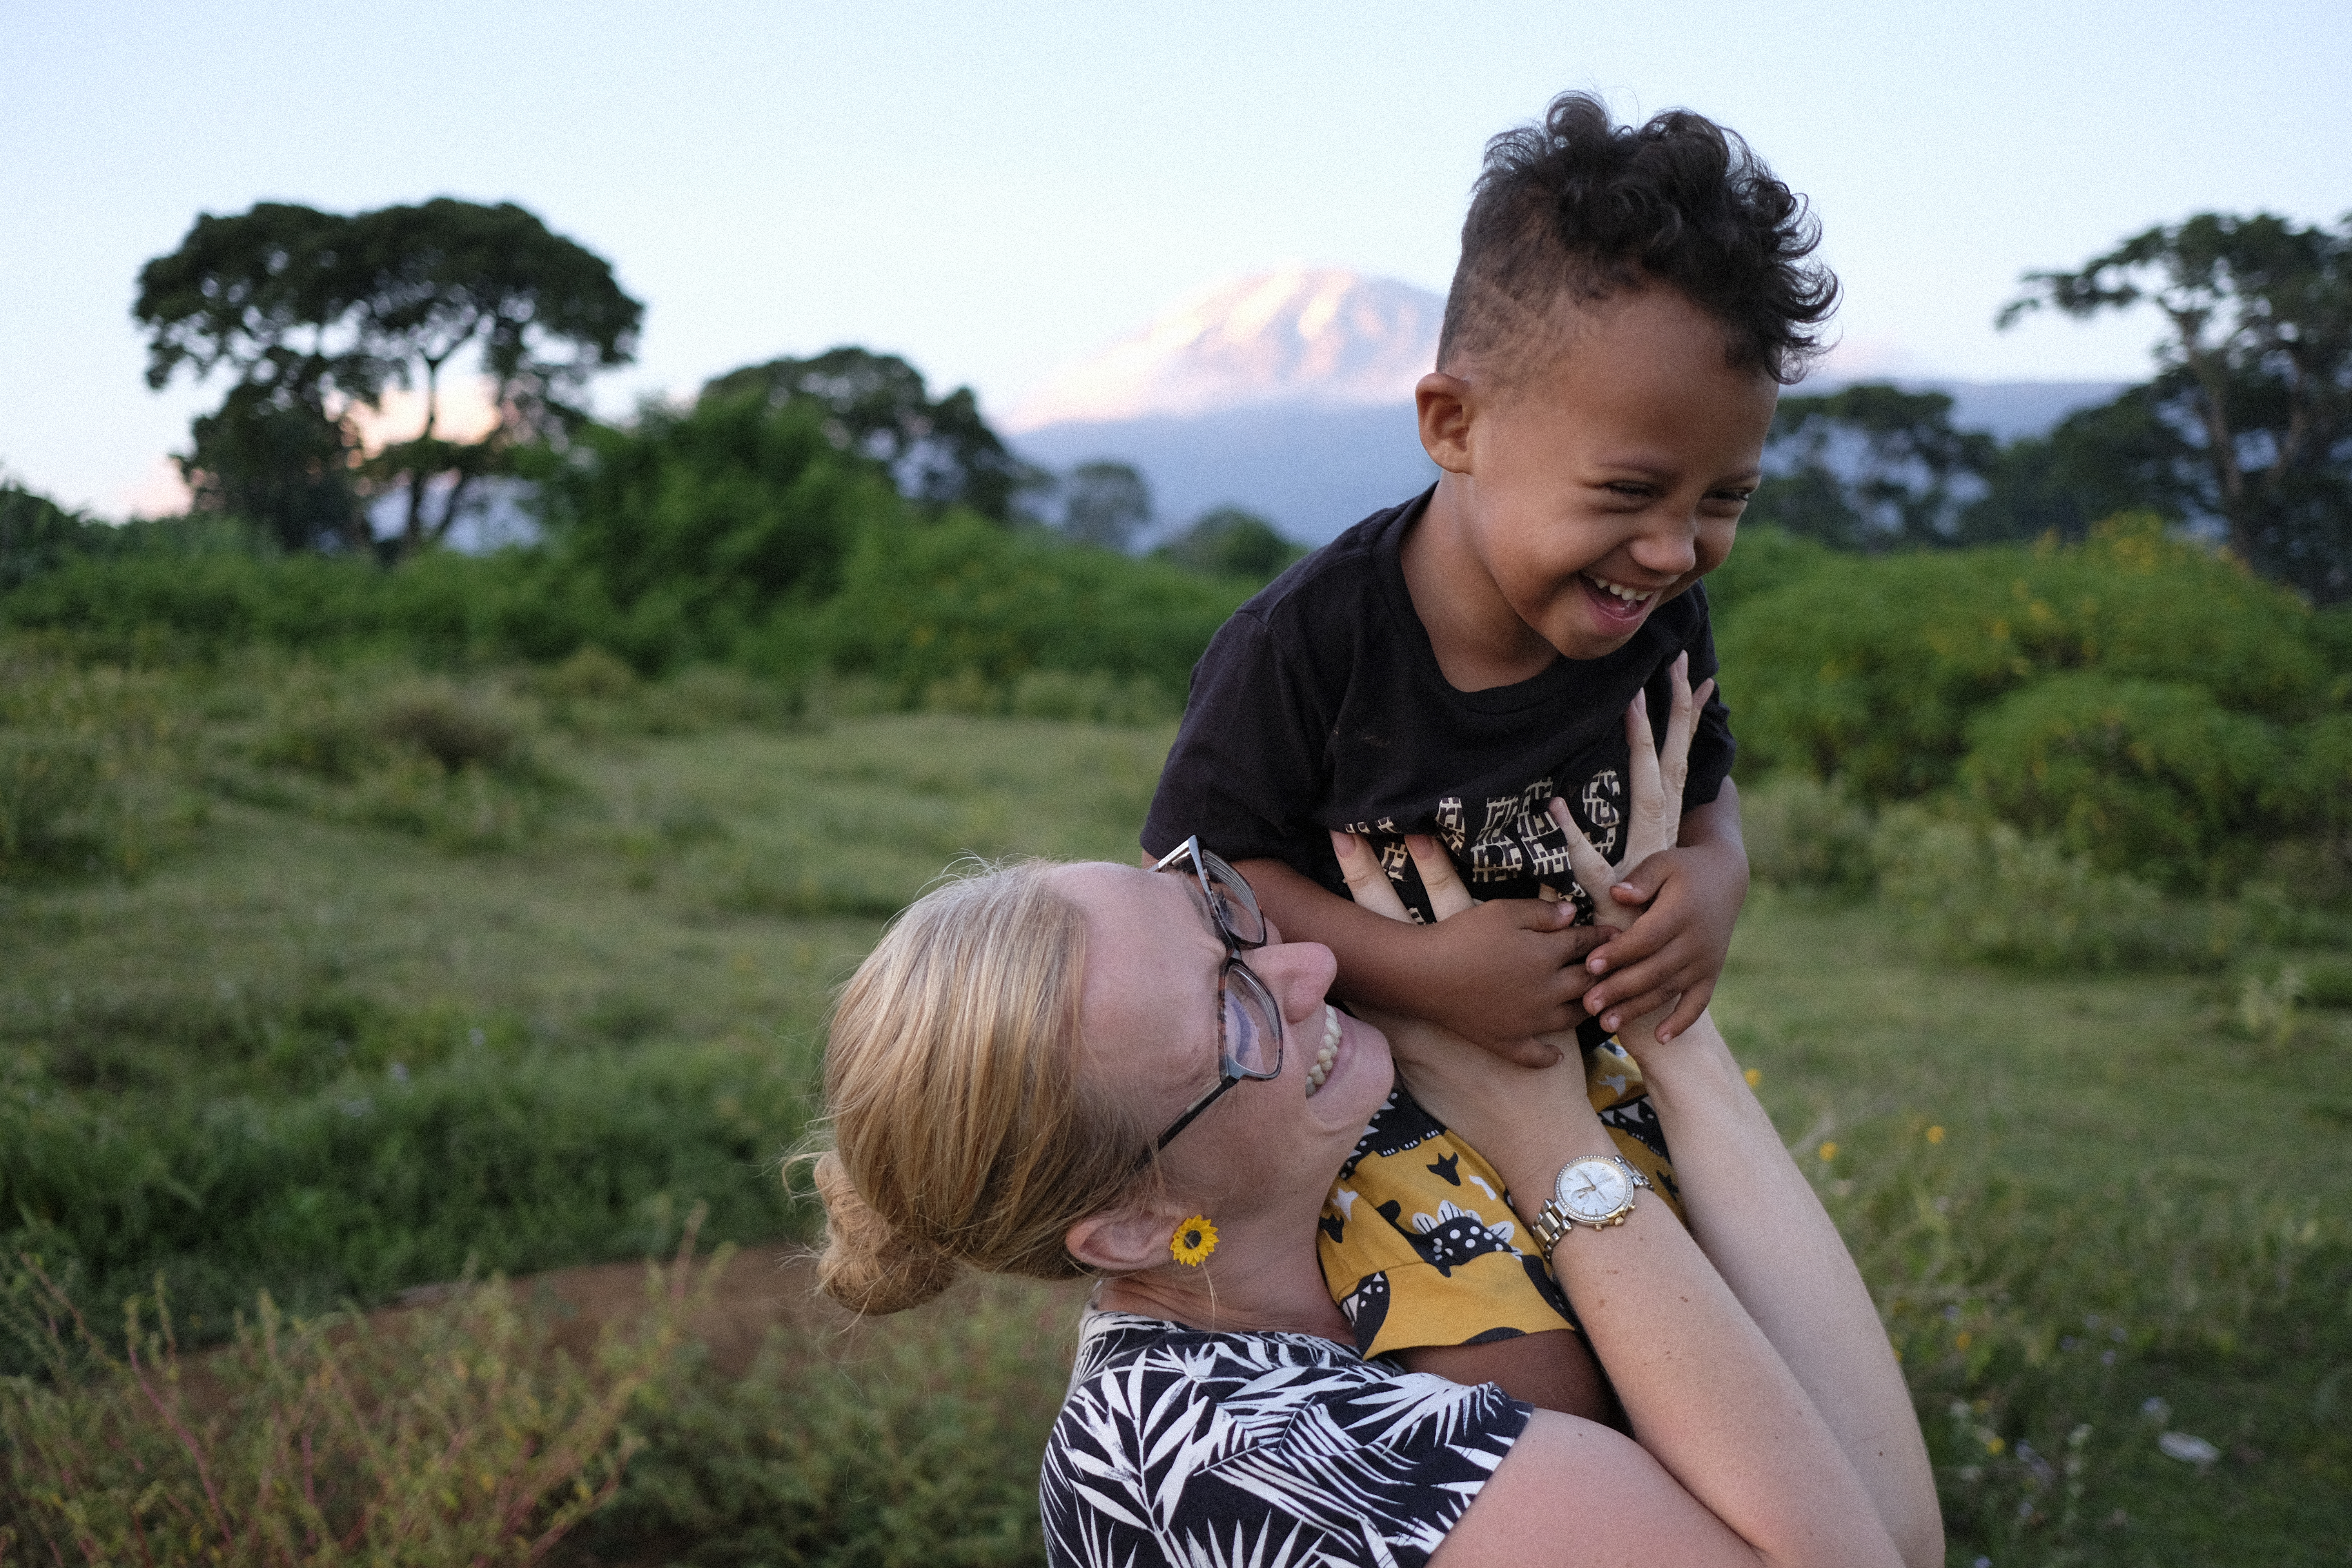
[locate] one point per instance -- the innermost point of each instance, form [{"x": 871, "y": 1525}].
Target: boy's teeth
[
  {"x": 1322, "y": 1068},
  {"x": 1628, "y": 595}
]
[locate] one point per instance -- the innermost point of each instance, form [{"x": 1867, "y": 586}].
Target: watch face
[{"x": 1592, "y": 1190}]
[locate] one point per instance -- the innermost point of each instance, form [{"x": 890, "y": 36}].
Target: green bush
[
  {"x": 963, "y": 600},
  {"x": 447, "y": 760},
  {"x": 92, "y": 765},
  {"x": 914, "y": 1440},
  {"x": 2137, "y": 692},
  {"x": 1990, "y": 892},
  {"x": 1803, "y": 833},
  {"x": 462, "y": 1437},
  {"x": 2139, "y": 775},
  {"x": 1871, "y": 669}
]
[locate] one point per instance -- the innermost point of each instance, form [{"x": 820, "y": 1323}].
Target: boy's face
[{"x": 1607, "y": 481}]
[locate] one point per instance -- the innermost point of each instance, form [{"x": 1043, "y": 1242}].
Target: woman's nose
[{"x": 1299, "y": 973}]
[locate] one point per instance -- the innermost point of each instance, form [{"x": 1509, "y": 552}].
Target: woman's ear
[
  {"x": 1124, "y": 1240},
  {"x": 1444, "y": 403}
]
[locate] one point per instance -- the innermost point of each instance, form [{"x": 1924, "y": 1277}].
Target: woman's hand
[{"x": 1655, "y": 821}]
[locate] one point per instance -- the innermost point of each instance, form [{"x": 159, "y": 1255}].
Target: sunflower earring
[{"x": 1194, "y": 1239}]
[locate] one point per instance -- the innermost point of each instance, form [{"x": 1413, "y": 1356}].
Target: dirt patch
[{"x": 759, "y": 1287}]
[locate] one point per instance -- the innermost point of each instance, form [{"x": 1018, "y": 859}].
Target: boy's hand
[
  {"x": 1675, "y": 950},
  {"x": 1492, "y": 972},
  {"x": 1495, "y": 975}
]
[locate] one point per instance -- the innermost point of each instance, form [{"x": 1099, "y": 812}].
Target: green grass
[
  {"x": 335, "y": 1059},
  {"x": 335, "y": 1051}
]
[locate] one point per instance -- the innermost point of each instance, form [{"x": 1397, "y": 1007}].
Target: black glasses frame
[{"x": 1233, "y": 972}]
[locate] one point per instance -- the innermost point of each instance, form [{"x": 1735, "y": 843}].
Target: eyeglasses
[{"x": 1249, "y": 1021}]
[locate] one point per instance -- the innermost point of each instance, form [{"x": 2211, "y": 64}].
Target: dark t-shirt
[{"x": 1319, "y": 705}]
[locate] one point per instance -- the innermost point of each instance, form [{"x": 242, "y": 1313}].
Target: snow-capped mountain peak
[{"x": 1302, "y": 335}]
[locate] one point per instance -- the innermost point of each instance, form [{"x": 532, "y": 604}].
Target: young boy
[{"x": 1627, "y": 305}]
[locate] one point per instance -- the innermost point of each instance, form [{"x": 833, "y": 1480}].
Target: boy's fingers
[
  {"x": 1368, "y": 884},
  {"x": 1594, "y": 873},
  {"x": 1686, "y": 1011},
  {"x": 1619, "y": 1014},
  {"x": 1641, "y": 884},
  {"x": 1447, "y": 896}
]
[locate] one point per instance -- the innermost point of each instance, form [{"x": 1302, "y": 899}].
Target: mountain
[
  {"x": 1290, "y": 393},
  {"x": 1305, "y": 335}
]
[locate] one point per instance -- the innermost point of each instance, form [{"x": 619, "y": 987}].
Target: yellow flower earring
[{"x": 1194, "y": 1241}]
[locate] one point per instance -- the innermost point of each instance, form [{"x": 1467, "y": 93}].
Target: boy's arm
[
  {"x": 1674, "y": 952},
  {"x": 1500, "y": 974}
]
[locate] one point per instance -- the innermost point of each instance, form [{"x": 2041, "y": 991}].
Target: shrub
[
  {"x": 1803, "y": 833},
  {"x": 1992, "y": 893},
  {"x": 965, "y": 600},
  {"x": 92, "y": 767},
  {"x": 1871, "y": 669},
  {"x": 460, "y": 1437},
  {"x": 2139, "y": 775},
  {"x": 450, "y": 762},
  {"x": 701, "y": 527},
  {"x": 915, "y": 1440}
]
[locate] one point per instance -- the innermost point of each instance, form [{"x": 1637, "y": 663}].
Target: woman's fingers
[
  {"x": 1591, "y": 871},
  {"x": 1643, "y": 747},
  {"x": 1368, "y": 884},
  {"x": 1447, "y": 896},
  {"x": 1674, "y": 761}
]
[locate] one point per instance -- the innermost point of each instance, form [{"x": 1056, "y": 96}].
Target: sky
[{"x": 993, "y": 190}]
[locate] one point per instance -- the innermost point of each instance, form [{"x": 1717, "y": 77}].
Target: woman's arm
[
  {"x": 1759, "y": 1223},
  {"x": 1756, "y": 1470}
]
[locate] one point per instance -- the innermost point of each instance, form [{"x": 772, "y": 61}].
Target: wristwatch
[{"x": 1592, "y": 1189}]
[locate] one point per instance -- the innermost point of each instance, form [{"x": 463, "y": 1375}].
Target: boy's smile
[{"x": 1608, "y": 477}]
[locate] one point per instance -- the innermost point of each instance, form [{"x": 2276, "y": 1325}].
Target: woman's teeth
[
  {"x": 1628, "y": 595},
  {"x": 1323, "y": 1058}
]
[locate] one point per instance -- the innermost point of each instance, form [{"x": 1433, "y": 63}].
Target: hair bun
[{"x": 866, "y": 1266}]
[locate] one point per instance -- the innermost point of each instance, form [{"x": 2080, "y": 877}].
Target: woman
[{"x": 1063, "y": 1070}]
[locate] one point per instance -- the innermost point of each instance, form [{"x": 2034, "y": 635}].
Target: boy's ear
[
  {"x": 1444, "y": 403},
  {"x": 1122, "y": 1241}
]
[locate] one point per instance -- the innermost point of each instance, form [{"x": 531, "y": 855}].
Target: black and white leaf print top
[{"x": 1182, "y": 1447}]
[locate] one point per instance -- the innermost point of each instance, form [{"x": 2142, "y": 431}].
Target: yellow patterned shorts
[{"x": 1419, "y": 1244}]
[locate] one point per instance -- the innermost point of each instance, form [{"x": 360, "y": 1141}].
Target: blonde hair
[{"x": 963, "y": 1131}]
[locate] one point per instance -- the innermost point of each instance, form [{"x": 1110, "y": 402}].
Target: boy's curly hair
[{"x": 1577, "y": 204}]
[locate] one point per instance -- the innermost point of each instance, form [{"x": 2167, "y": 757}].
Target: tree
[
  {"x": 2118, "y": 456},
  {"x": 1231, "y": 542},
  {"x": 1869, "y": 465},
  {"x": 941, "y": 453},
  {"x": 1105, "y": 504},
  {"x": 2253, "y": 378},
  {"x": 313, "y": 314}
]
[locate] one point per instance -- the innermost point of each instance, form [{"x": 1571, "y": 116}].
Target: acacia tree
[
  {"x": 2253, "y": 384},
  {"x": 313, "y": 314}
]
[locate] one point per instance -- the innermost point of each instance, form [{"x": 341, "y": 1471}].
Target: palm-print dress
[{"x": 1182, "y": 1446}]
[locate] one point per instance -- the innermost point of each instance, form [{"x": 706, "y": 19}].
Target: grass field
[{"x": 308, "y": 1051}]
